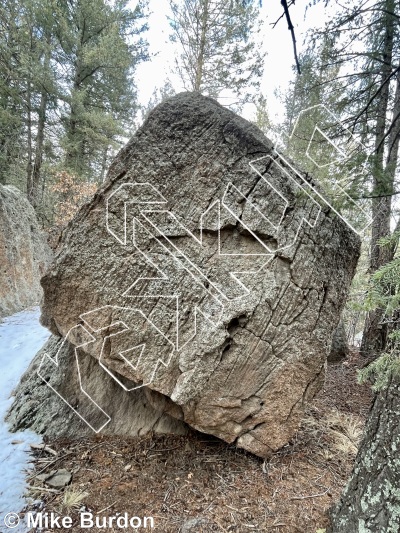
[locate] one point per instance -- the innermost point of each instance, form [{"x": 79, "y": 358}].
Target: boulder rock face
[
  {"x": 24, "y": 253},
  {"x": 38, "y": 403},
  {"x": 206, "y": 274},
  {"x": 340, "y": 347}
]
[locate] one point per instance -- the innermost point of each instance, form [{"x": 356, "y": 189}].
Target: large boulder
[
  {"x": 24, "y": 253},
  {"x": 205, "y": 272}
]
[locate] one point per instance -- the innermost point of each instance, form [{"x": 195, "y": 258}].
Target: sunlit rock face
[
  {"x": 205, "y": 274},
  {"x": 24, "y": 253}
]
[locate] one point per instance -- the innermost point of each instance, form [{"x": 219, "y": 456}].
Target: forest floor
[{"x": 199, "y": 484}]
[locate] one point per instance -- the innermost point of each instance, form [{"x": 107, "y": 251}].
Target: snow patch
[{"x": 21, "y": 337}]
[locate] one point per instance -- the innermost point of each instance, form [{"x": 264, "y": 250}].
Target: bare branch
[{"x": 285, "y": 6}]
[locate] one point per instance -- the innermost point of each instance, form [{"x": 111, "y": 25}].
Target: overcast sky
[{"x": 275, "y": 41}]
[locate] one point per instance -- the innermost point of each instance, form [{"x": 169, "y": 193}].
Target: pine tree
[
  {"x": 370, "y": 76},
  {"x": 217, "y": 47},
  {"x": 371, "y": 499},
  {"x": 14, "y": 41},
  {"x": 312, "y": 134},
  {"x": 370, "y": 105},
  {"x": 159, "y": 95},
  {"x": 99, "y": 62},
  {"x": 67, "y": 87},
  {"x": 262, "y": 119}
]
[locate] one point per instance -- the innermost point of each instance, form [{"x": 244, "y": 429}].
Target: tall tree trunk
[
  {"x": 371, "y": 501},
  {"x": 3, "y": 175},
  {"x": 71, "y": 150},
  {"x": 74, "y": 148},
  {"x": 375, "y": 333},
  {"x": 29, "y": 183},
  {"x": 202, "y": 47},
  {"x": 37, "y": 165},
  {"x": 104, "y": 165}
]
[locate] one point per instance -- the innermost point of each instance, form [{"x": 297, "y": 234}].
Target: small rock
[
  {"x": 59, "y": 479},
  {"x": 193, "y": 525},
  {"x": 42, "y": 477}
]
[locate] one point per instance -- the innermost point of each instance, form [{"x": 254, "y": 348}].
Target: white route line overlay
[
  {"x": 343, "y": 156},
  {"x": 90, "y": 338},
  {"x": 184, "y": 261}
]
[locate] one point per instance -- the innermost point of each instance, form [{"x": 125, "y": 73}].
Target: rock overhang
[{"x": 205, "y": 271}]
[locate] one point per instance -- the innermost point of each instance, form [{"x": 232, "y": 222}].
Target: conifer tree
[
  {"x": 217, "y": 47},
  {"x": 99, "y": 61},
  {"x": 67, "y": 90},
  {"x": 367, "y": 47}
]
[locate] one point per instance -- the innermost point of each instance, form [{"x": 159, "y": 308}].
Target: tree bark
[
  {"x": 203, "y": 38},
  {"x": 37, "y": 164},
  {"x": 104, "y": 165},
  {"x": 371, "y": 501},
  {"x": 29, "y": 183},
  {"x": 74, "y": 146},
  {"x": 375, "y": 332}
]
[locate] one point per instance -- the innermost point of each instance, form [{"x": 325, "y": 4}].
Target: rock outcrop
[
  {"x": 205, "y": 274},
  {"x": 24, "y": 253},
  {"x": 38, "y": 403},
  {"x": 340, "y": 347}
]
